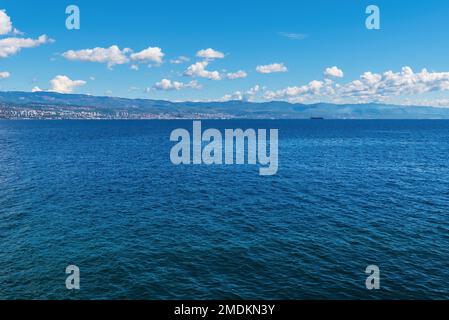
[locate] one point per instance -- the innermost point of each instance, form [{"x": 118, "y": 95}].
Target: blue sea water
[{"x": 103, "y": 195}]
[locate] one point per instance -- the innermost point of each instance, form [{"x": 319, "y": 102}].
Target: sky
[{"x": 297, "y": 51}]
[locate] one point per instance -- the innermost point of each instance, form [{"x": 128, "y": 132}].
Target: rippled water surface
[{"x": 103, "y": 195}]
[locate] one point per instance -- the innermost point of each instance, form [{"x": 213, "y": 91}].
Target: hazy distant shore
[{"x": 55, "y": 106}]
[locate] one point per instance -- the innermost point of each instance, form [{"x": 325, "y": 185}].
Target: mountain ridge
[{"x": 51, "y": 105}]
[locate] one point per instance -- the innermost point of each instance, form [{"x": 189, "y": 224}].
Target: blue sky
[{"x": 300, "y": 38}]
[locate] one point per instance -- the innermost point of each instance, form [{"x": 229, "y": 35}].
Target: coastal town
[{"x": 64, "y": 112}]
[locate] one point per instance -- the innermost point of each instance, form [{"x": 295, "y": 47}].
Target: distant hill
[{"x": 51, "y": 105}]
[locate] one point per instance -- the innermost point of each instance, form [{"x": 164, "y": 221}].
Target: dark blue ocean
[{"x": 103, "y": 195}]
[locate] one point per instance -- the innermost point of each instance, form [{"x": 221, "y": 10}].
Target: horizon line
[{"x": 227, "y": 101}]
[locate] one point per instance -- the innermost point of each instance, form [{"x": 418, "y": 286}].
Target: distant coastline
[{"x": 56, "y": 106}]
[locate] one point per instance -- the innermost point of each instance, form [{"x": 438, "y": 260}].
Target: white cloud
[
  {"x": 167, "y": 85},
  {"x": 210, "y": 54},
  {"x": 248, "y": 95},
  {"x": 270, "y": 68},
  {"x": 17, "y": 32},
  {"x": 180, "y": 60},
  {"x": 11, "y": 46},
  {"x": 389, "y": 84},
  {"x": 199, "y": 70},
  {"x": 333, "y": 72},
  {"x": 6, "y": 26},
  {"x": 151, "y": 54},
  {"x": 115, "y": 56},
  {"x": 236, "y": 75},
  {"x": 4, "y": 75},
  {"x": 370, "y": 87},
  {"x": 36, "y": 89},
  {"x": 5, "y": 23},
  {"x": 312, "y": 88},
  {"x": 236, "y": 96},
  {"x": 64, "y": 84},
  {"x": 111, "y": 56}
]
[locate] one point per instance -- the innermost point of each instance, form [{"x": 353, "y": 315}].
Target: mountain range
[{"x": 50, "y": 105}]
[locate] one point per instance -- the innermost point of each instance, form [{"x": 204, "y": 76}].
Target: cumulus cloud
[
  {"x": 168, "y": 85},
  {"x": 271, "y": 68},
  {"x": 151, "y": 54},
  {"x": 369, "y": 87},
  {"x": 210, "y": 54},
  {"x": 11, "y": 46},
  {"x": 63, "y": 84},
  {"x": 4, "y": 75},
  {"x": 312, "y": 88},
  {"x": 5, "y": 23},
  {"x": 111, "y": 56},
  {"x": 199, "y": 70},
  {"x": 180, "y": 60},
  {"x": 236, "y": 75},
  {"x": 405, "y": 82},
  {"x": 36, "y": 89},
  {"x": 115, "y": 56},
  {"x": 333, "y": 72},
  {"x": 6, "y": 26},
  {"x": 248, "y": 95}
]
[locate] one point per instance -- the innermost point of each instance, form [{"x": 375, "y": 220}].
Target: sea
[{"x": 105, "y": 197}]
